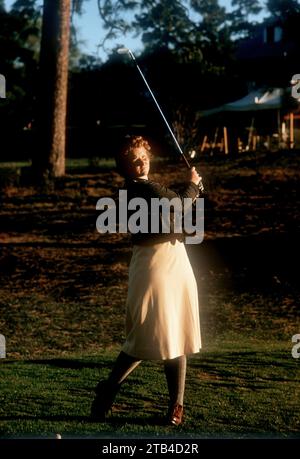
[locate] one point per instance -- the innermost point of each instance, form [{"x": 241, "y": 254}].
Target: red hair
[{"x": 131, "y": 142}]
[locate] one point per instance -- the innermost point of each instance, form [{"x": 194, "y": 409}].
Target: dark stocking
[{"x": 175, "y": 370}]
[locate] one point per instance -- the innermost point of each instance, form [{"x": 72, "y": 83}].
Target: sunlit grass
[
  {"x": 71, "y": 163},
  {"x": 233, "y": 390}
]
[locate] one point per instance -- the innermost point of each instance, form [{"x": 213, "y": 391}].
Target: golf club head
[
  {"x": 126, "y": 51},
  {"x": 123, "y": 51}
]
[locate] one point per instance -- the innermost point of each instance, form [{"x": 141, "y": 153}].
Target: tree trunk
[{"x": 52, "y": 104}]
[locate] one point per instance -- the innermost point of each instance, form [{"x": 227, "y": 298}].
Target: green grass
[
  {"x": 83, "y": 163},
  {"x": 72, "y": 163},
  {"x": 14, "y": 164},
  {"x": 235, "y": 388}
]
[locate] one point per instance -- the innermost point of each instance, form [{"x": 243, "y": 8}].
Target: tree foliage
[
  {"x": 283, "y": 9},
  {"x": 19, "y": 39},
  {"x": 164, "y": 24},
  {"x": 112, "y": 14},
  {"x": 240, "y": 21},
  {"x": 188, "y": 59},
  {"x": 287, "y": 13}
]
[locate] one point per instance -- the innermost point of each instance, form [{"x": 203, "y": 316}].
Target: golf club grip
[
  {"x": 201, "y": 187},
  {"x": 200, "y": 184}
]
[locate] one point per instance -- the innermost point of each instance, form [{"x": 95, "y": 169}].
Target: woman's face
[{"x": 138, "y": 163}]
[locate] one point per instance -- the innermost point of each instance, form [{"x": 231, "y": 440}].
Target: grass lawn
[
  {"x": 238, "y": 388},
  {"x": 63, "y": 290},
  {"x": 71, "y": 163}
]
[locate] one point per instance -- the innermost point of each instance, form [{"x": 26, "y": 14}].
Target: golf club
[{"x": 130, "y": 53}]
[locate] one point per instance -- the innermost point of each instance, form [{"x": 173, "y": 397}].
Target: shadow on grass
[
  {"x": 116, "y": 421},
  {"x": 61, "y": 363},
  {"x": 69, "y": 363},
  {"x": 58, "y": 418},
  {"x": 244, "y": 359},
  {"x": 255, "y": 371},
  {"x": 113, "y": 421}
]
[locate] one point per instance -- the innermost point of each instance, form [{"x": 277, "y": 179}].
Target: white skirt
[{"x": 162, "y": 313}]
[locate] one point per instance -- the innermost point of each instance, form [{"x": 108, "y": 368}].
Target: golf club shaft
[
  {"x": 128, "y": 51},
  {"x": 160, "y": 110}
]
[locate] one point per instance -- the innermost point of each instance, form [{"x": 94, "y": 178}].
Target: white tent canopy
[{"x": 260, "y": 99}]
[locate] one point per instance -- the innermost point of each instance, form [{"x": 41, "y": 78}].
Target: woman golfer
[{"x": 162, "y": 318}]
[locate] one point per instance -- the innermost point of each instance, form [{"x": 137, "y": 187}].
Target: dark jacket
[{"x": 148, "y": 189}]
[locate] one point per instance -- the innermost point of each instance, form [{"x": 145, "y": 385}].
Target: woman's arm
[
  {"x": 156, "y": 190},
  {"x": 191, "y": 189}
]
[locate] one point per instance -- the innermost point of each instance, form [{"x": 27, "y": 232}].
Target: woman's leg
[
  {"x": 175, "y": 370},
  {"x": 107, "y": 390},
  {"x": 123, "y": 366}
]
